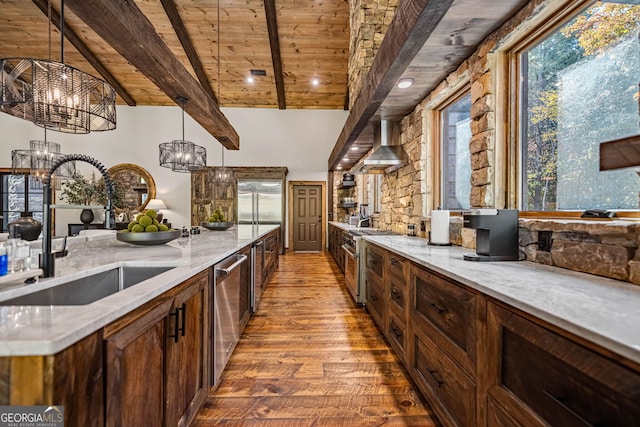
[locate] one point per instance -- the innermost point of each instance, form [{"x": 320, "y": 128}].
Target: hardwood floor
[{"x": 311, "y": 357}]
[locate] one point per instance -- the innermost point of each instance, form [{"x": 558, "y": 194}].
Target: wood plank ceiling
[{"x": 292, "y": 42}]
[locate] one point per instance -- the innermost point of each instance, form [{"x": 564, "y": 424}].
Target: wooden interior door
[{"x": 307, "y": 218}]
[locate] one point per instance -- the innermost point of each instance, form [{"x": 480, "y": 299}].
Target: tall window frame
[
  {"x": 26, "y": 195},
  {"x": 448, "y": 160},
  {"x": 516, "y": 132}
]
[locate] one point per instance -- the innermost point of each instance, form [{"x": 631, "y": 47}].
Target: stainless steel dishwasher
[{"x": 226, "y": 311}]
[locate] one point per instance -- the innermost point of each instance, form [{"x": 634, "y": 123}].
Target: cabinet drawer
[
  {"x": 396, "y": 334},
  {"x": 375, "y": 299},
  {"x": 559, "y": 380},
  {"x": 452, "y": 392},
  {"x": 397, "y": 266},
  {"x": 397, "y": 293},
  {"x": 448, "y": 310},
  {"x": 374, "y": 260}
]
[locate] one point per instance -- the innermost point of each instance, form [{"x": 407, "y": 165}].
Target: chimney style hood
[{"x": 388, "y": 154}]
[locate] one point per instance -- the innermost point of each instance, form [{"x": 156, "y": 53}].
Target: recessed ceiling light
[
  {"x": 315, "y": 82},
  {"x": 339, "y": 167},
  {"x": 405, "y": 82},
  {"x": 345, "y": 159},
  {"x": 354, "y": 148},
  {"x": 250, "y": 80}
]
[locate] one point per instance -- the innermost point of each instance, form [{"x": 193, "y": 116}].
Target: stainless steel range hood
[{"x": 387, "y": 155}]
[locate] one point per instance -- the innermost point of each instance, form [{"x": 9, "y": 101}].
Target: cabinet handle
[
  {"x": 396, "y": 332},
  {"x": 178, "y": 323},
  {"x": 394, "y": 261},
  {"x": 561, "y": 401},
  {"x": 432, "y": 374},
  {"x": 435, "y": 307},
  {"x": 374, "y": 298},
  {"x": 184, "y": 317},
  {"x": 395, "y": 294}
]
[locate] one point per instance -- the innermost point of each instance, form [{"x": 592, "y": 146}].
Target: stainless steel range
[{"x": 354, "y": 260}]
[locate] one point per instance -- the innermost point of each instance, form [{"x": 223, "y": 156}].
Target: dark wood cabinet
[
  {"x": 72, "y": 378},
  {"x": 134, "y": 368},
  {"x": 271, "y": 253},
  {"x": 155, "y": 357},
  {"x": 447, "y": 312},
  {"x": 336, "y": 239},
  {"x": 186, "y": 359},
  {"x": 451, "y": 392},
  {"x": 442, "y": 345},
  {"x": 540, "y": 377},
  {"x": 375, "y": 286}
]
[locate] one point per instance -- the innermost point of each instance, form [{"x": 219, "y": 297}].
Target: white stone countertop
[
  {"x": 46, "y": 330},
  {"x": 603, "y": 311}
]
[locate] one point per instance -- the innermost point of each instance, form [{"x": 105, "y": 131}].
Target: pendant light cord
[{"x": 61, "y": 31}]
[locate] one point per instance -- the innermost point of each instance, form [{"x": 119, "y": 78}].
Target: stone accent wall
[
  {"x": 604, "y": 248},
  {"x": 369, "y": 20}
]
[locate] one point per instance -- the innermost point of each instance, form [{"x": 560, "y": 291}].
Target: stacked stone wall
[{"x": 369, "y": 20}]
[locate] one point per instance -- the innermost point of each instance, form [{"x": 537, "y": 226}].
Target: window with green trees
[{"x": 580, "y": 87}]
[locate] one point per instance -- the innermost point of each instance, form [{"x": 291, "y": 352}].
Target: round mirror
[{"x": 138, "y": 184}]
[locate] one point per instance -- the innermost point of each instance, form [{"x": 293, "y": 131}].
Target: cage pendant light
[
  {"x": 180, "y": 155},
  {"x": 55, "y": 95}
]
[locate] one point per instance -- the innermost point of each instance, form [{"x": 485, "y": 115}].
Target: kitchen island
[{"x": 142, "y": 355}]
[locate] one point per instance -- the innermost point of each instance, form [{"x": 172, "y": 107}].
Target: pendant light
[
  {"x": 180, "y": 155},
  {"x": 222, "y": 176},
  {"x": 55, "y": 95},
  {"x": 38, "y": 160}
]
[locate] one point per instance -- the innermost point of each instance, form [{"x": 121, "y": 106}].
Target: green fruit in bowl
[{"x": 146, "y": 223}]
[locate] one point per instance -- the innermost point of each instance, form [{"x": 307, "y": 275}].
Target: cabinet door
[
  {"x": 186, "y": 351},
  {"x": 539, "y": 377},
  {"x": 134, "y": 365},
  {"x": 375, "y": 300},
  {"x": 447, "y": 312}
]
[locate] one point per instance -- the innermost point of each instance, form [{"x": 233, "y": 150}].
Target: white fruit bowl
[
  {"x": 148, "y": 239},
  {"x": 217, "y": 225}
]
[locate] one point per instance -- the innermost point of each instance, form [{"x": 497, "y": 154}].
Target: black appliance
[{"x": 496, "y": 234}]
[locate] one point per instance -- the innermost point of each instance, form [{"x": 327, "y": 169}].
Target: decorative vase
[
  {"x": 86, "y": 216},
  {"x": 25, "y": 227}
]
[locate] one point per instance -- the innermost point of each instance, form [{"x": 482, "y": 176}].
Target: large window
[
  {"x": 18, "y": 196},
  {"x": 580, "y": 86},
  {"x": 456, "y": 161}
]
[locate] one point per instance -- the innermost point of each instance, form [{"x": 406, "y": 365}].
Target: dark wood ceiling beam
[
  {"x": 181, "y": 31},
  {"x": 412, "y": 24},
  {"x": 86, "y": 52},
  {"x": 123, "y": 25},
  {"x": 274, "y": 42}
]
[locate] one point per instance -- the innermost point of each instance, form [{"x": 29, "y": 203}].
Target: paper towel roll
[{"x": 440, "y": 227}]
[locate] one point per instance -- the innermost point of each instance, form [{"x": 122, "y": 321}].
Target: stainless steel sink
[{"x": 89, "y": 289}]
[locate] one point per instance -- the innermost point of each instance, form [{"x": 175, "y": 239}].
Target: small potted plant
[{"x": 80, "y": 190}]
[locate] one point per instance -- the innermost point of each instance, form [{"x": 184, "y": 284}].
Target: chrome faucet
[{"x": 47, "y": 258}]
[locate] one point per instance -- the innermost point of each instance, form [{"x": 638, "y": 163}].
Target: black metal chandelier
[
  {"x": 180, "y": 155},
  {"x": 54, "y": 95}
]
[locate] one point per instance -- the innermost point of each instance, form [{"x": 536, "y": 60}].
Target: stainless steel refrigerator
[{"x": 260, "y": 201}]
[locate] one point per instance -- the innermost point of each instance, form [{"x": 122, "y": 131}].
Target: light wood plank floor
[{"x": 311, "y": 357}]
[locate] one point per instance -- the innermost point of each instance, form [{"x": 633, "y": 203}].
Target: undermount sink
[{"x": 89, "y": 289}]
